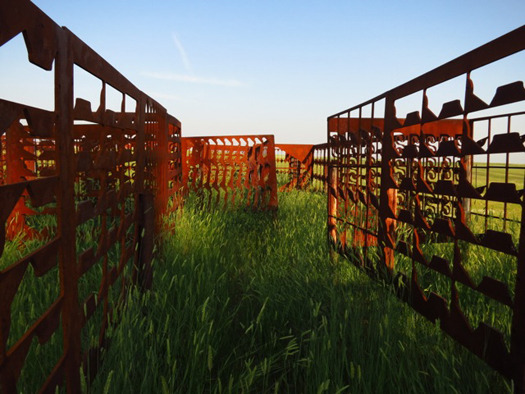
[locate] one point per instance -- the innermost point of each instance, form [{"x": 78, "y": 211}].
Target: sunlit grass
[
  {"x": 497, "y": 173},
  {"x": 251, "y": 302}
]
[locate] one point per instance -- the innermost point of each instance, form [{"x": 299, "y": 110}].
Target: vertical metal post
[
  {"x": 388, "y": 197},
  {"x": 326, "y": 170},
  {"x": 161, "y": 196},
  {"x": 310, "y": 168},
  {"x": 517, "y": 340},
  {"x": 332, "y": 205},
  {"x": 296, "y": 173},
  {"x": 140, "y": 160},
  {"x": 146, "y": 228},
  {"x": 71, "y": 313},
  {"x": 184, "y": 165},
  {"x": 272, "y": 181},
  {"x": 467, "y": 132}
]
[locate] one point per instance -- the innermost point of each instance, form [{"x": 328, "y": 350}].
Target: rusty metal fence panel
[
  {"x": 231, "y": 170},
  {"x": 295, "y": 161},
  {"x": 419, "y": 200},
  {"x": 91, "y": 185},
  {"x": 320, "y": 166},
  {"x": 305, "y": 166}
]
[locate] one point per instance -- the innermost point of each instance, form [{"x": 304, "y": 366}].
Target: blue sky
[{"x": 264, "y": 67}]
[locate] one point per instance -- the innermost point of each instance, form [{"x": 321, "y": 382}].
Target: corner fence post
[{"x": 71, "y": 313}]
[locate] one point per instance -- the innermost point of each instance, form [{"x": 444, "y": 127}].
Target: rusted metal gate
[
  {"x": 231, "y": 170},
  {"x": 71, "y": 175},
  {"x": 410, "y": 201}
]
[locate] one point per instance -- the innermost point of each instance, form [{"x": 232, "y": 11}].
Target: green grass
[
  {"x": 497, "y": 174},
  {"x": 252, "y": 302}
]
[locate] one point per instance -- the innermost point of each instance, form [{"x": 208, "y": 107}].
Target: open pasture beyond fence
[{"x": 413, "y": 199}]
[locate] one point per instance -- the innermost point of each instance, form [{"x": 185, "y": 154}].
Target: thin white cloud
[
  {"x": 193, "y": 79},
  {"x": 172, "y": 97},
  {"x": 182, "y": 53}
]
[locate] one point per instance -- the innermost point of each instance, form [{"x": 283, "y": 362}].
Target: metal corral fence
[
  {"x": 435, "y": 202},
  {"x": 231, "y": 170},
  {"x": 304, "y": 166},
  {"x": 89, "y": 186},
  {"x": 294, "y": 161}
]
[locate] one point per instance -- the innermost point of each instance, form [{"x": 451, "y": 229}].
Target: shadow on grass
[{"x": 251, "y": 302}]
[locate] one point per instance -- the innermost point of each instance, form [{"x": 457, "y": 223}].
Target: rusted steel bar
[
  {"x": 492, "y": 51},
  {"x": 320, "y": 163},
  {"x": 517, "y": 345},
  {"x": 71, "y": 316}
]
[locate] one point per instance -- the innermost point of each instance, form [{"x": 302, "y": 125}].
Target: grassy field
[
  {"x": 497, "y": 173},
  {"x": 250, "y": 302}
]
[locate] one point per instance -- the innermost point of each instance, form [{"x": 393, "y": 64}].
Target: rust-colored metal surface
[
  {"x": 320, "y": 167},
  {"x": 231, "y": 170},
  {"x": 435, "y": 202},
  {"x": 174, "y": 173},
  {"x": 306, "y": 166},
  {"x": 296, "y": 162},
  {"x": 356, "y": 146},
  {"x": 91, "y": 184}
]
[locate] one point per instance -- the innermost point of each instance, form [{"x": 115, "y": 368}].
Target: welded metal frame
[
  {"x": 295, "y": 161},
  {"x": 106, "y": 174},
  {"x": 305, "y": 165},
  {"x": 399, "y": 186}
]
